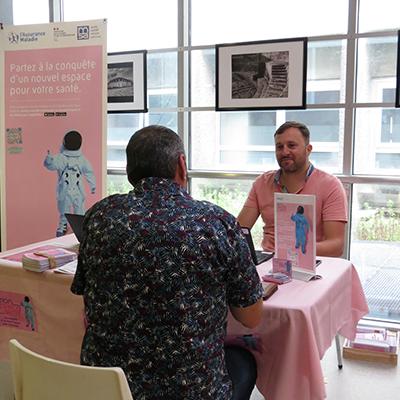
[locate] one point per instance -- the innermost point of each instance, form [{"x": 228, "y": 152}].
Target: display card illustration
[{"x": 301, "y": 229}]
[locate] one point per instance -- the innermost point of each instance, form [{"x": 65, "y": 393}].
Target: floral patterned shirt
[{"x": 157, "y": 270}]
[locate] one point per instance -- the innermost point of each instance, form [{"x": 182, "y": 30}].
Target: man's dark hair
[
  {"x": 293, "y": 124},
  {"x": 153, "y": 151}
]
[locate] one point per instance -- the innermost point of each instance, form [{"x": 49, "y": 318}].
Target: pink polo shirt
[{"x": 331, "y": 201}]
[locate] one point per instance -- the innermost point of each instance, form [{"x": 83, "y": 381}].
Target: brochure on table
[{"x": 295, "y": 234}]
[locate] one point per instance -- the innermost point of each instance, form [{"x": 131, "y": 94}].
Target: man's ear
[
  {"x": 181, "y": 172},
  {"x": 309, "y": 149},
  {"x": 182, "y": 167}
]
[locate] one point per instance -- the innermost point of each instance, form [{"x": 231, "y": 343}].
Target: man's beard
[{"x": 294, "y": 167}]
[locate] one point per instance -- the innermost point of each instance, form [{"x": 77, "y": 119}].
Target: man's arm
[
  {"x": 248, "y": 216},
  {"x": 250, "y": 316},
  {"x": 333, "y": 244}
]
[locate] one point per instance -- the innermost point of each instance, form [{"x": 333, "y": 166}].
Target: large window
[
  {"x": 26, "y": 12},
  {"x": 351, "y": 80},
  {"x": 131, "y": 25}
]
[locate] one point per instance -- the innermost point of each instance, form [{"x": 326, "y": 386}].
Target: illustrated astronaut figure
[
  {"x": 70, "y": 165},
  {"x": 29, "y": 313},
  {"x": 301, "y": 225}
]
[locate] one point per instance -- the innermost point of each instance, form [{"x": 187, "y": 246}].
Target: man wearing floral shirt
[{"x": 158, "y": 271}]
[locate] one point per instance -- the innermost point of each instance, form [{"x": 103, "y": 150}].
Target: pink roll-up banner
[{"x": 53, "y": 121}]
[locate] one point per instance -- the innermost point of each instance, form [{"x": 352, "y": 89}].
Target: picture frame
[
  {"x": 397, "y": 103},
  {"x": 127, "y": 82},
  {"x": 263, "y": 75}
]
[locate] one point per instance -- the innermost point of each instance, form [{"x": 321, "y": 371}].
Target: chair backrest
[{"x": 41, "y": 378}]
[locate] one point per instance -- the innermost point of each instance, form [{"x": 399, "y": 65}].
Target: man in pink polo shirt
[{"x": 298, "y": 175}]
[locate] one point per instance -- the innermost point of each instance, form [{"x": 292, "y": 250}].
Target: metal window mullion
[
  {"x": 56, "y": 10},
  {"x": 183, "y": 74},
  {"x": 349, "y": 115}
]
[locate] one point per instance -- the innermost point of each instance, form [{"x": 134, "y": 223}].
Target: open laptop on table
[{"x": 258, "y": 256}]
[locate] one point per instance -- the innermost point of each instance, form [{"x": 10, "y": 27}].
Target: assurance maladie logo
[
  {"x": 13, "y": 38},
  {"x": 83, "y": 32}
]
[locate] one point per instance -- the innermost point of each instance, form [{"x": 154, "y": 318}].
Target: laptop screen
[
  {"x": 76, "y": 222},
  {"x": 247, "y": 234},
  {"x": 258, "y": 256}
]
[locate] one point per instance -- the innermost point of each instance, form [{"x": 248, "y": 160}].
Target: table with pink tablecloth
[{"x": 298, "y": 325}]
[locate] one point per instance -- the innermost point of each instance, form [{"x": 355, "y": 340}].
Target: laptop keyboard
[{"x": 262, "y": 257}]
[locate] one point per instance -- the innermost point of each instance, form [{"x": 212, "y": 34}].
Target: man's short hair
[
  {"x": 153, "y": 151},
  {"x": 293, "y": 124}
]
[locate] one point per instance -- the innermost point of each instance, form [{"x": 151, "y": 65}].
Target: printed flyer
[
  {"x": 53, "y": 126},
  {"x": 295, "y": 234},
  {"x": 17, "y": 311}
]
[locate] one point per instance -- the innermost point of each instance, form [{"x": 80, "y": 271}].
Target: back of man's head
[
  {"x": 298, "y": 125},
  {"x": 153, "y": 151}
]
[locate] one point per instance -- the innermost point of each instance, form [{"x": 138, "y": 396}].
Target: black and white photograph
[
  {"x": 126, "y": 82},
  {"x": 261, "y": 75},
  {"x": 120, "y": 85}
]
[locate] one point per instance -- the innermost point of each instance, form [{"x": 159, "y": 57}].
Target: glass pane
[
  {"x": 26, "y": 12},
  {"x": 239, "y": 141},
  {"x": 131, "y": 25},
  {"x": 326, "y": 70},
  {"x": 162, "y": 82},
  {"x": 168, "y": 119},
  {"x": 120, "y": 128},
  {"x": 377, "y": 141},
  {"x": 202, "y": 72},
  {"x": 380, "y": 16},
  {"x": 326, "y": 136},
  {"x": 117, "y": 184},
  {"x": 377, "y": 61},
  {"x": 244, "y": 141},
  {"x": 375, "y": 246},
  {"x": 226, "y": 22},
  {"x": 229, "y": 194}
]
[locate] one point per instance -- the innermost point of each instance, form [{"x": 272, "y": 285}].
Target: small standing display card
[
  {"x": 281, "y": 272},
  {"x": 282, "y": 266},
  {"x": 295, "y": 233}
]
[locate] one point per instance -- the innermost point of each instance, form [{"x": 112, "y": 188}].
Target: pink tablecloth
[
  {"x": 59, "y": 314},
  {"x": 298, "y": 325}
]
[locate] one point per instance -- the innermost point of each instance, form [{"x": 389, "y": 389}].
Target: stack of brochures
[
  {"x": 49, "y": 259},
  {"x": 375, "y": 340}
]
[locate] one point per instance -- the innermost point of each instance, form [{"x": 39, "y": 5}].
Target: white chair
[{"x": 41, "y": 378}]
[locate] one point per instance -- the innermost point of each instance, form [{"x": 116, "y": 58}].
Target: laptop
[
  {"x": 258, "y": 256},
  {"x": 75, "y": 221}
]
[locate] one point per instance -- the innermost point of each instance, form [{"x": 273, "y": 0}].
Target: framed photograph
[
  {"x": 261, "y": 75},
  {"x": 398, "y": 72},
  {"x": 127, "y": 82}
]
